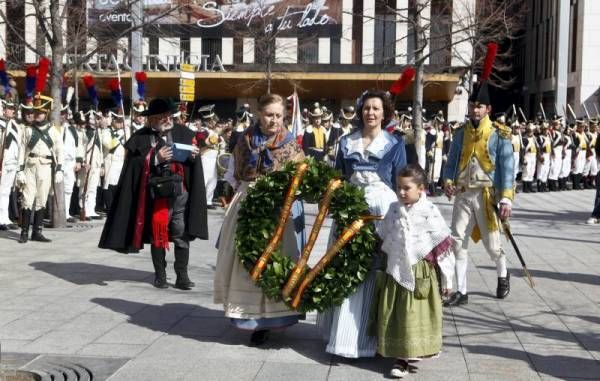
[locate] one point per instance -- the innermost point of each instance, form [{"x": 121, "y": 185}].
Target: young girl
[{"x": 407, "y": 313}]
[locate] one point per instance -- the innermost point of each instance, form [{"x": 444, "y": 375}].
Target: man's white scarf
[{"x": 409, "y": 235}]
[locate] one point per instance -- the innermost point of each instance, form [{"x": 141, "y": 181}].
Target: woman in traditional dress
[
  {"x": 263, "y": 148},
  {"x": 370, "y": 158}
]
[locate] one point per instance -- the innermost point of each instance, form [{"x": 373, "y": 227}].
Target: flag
[
  {"x": 4, "y": 76},
  {"x": 297, "y": 128},
  {"x": 141, "y": 78},
  {"x": 88, "y": 81}
]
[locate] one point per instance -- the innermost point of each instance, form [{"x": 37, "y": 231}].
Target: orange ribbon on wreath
[
  {"x": 346, "y": 236},
  {"x": 314, "y": 233},
  {"x": 262, "y": 261}
]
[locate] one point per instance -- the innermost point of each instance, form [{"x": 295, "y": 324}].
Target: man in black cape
[{"x": 160, "y": 196}]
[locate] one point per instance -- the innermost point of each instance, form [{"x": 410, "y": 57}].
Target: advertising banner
[{"x": 221, "y": 18}]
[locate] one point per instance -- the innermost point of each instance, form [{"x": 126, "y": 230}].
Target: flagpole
[{"x": 122, "y": 105}]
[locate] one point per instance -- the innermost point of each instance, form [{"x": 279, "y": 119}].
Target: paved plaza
[{"x": 71, "y": 308}]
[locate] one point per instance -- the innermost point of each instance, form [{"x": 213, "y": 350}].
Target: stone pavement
[{"x": 68, "y": 306}]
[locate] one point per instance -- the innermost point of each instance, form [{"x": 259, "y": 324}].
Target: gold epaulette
[{"x": 503, "y": 130}]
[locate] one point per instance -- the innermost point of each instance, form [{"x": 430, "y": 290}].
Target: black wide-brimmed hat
[{"x": 159, "y": 106}]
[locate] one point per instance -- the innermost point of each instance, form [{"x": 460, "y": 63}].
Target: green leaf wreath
[{"x": 257, "y": 220}]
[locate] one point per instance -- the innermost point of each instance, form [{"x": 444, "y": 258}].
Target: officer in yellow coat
[
  {"x": 479, "y": 172},
  {"x": 41, "y": 149}
]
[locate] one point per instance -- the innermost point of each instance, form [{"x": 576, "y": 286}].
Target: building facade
[
  {"x": 329, "y": 50},
  {"x": 560, "y": 66}
]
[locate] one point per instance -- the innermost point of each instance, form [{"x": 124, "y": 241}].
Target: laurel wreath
[{"x": 257, "y": 221}]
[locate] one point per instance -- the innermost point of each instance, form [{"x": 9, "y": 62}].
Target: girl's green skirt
[{"x": 407, "y": 324}]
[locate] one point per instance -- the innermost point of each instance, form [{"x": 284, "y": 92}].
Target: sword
[{"x": 511, "y": 238}]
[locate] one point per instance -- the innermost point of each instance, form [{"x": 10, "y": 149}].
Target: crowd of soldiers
[
  {"x": 550, "y": 155},
  {"x": 86, "y": 153}
]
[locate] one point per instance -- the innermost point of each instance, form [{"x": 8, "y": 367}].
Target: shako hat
[
  {"x": 481, "y": 92},
  {"x": 207, "y": 111},
  {"x": 316, "y": 110},
  {"x": 348, "y": 113}
]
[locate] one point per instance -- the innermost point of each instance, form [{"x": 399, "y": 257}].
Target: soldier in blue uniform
[{"x": 479, "y": 172}]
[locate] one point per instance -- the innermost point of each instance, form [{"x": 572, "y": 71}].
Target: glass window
[
  {"x": 15, "y": 47},
  {"x": 211, "y": 47},
  {"x": 334, "y": 50},
  {"x": 308, "y": 50},
  {"x": 441, "y": 33}
]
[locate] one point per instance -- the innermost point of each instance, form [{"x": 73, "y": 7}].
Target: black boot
[
  {"x": 551, "y": 185},
  {"x": 457, "y": 299},
  {"x": 503, "y": 288},
  {"x": 259, "y": 337},
  {"x": 38, "y": 222},
  {"x": 531, "y": 187},
  {"x": 589, "y": 182},
  {"x": 160, "y": 265},
  {"x": 578, "y": 185},
  {"x": 182, "y": 256},
  {"x": 25, "y": 222}
]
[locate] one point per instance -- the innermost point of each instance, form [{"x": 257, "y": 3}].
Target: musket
[
  {"x": 523, "y": 115},
  {"x": 543, "y": 112},
  {"x": 586, "y": 110},
  {"x": 121, "y": 105},
  {"x": 572, "y": 112},
  {"x": 511, "y": 238},
  {"x": 4, "y": 138},
  {"x": 515, "y": 113},
  {"x": 82, "y": 214}
]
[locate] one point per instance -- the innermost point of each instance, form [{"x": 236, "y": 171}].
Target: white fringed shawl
[{"x": 412, "y": 234}]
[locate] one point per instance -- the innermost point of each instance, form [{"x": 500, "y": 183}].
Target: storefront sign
[{"x": 101, "y": 63}]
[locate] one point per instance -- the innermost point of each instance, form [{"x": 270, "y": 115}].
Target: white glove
[
  {"x": 58, "y": 177},
  {"x": 20, "y": 179}
]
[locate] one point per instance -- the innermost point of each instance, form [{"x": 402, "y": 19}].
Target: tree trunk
[
  {"x": 269, "y": 53},
  {"x": 58, "y": 51},
  {"x": 417, "y": 111}
]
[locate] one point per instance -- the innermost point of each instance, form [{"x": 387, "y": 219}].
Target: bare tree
[
  {"x": 456, "y": 34},
  {"x": 274, "y": 38},
  {"x": 50, "y": 18}
]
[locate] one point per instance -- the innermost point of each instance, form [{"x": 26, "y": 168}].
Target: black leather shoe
[
  {"x": 24, "y": 237},
  {"x": 71, "y": 220},
  {"x": 259, "y": 337},
  {"x": 160, "y": 283},
  {"x": 503, "y": 287},
  {"x": 457, "y": 299},
  {"x": 39, "y": 237},
  {"x": 12, "y": 226},
  {"x": 184, "y": 285}
]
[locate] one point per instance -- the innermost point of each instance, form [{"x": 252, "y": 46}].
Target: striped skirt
[{"x": 344, "y": 327}]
